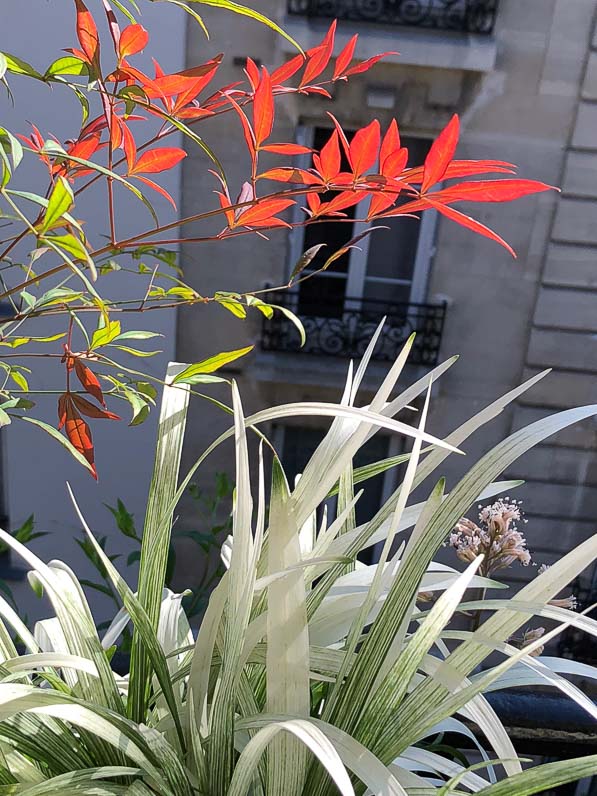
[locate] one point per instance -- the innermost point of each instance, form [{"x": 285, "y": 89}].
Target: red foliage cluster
[
  {"x": 377, "y": 171},
  {"x": 72, "y": 407}
]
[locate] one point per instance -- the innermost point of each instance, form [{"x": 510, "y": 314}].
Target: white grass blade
[
  {"x": 305, "y": 731},
  {"x": 240, "y": 583},
  {"x": 287, "y": 663},
  {"x": 156, "y": 531}
]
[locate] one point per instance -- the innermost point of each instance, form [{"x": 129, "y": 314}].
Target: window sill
[
  {"x": 429, "y": 48},
  {"x": 319, "y": 371}
]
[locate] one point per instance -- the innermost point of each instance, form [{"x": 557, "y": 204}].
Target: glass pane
[
  {"x": 323, "y": 296},
  {"x": 392, "y": 252},
  {"x": 387, "y": 292}
]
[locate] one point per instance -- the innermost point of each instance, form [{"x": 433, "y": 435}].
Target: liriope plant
[{"x": 311, "y": 673}]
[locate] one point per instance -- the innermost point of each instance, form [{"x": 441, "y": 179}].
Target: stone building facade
[{"x": 527, "y": 93}]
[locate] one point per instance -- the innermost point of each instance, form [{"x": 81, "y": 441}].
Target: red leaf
[
  {"x": 470, "y": 223},
  {"x": 204, "y": 76},
  {"x": 263, "y": 108},
  {"x": 288, "y": 174},
  {"x": 465, "y": 168},
  {"x": 116, "y": 132},
  {"x": 344, "y": 58},
  {"x": 170, "y": 86},
  {"x": 287, "y": 70},
  {"x": 341, "y": 135},
  {"x": 490, "y": 191},
  {"x": 247, "y": 130},
  {"x": 159, "y": 72},
  {"x": 225, "y": 205},
  {"x": 328, "y": 161},
  {"x": 319, "y": 57},
  {"x": 162, "y": 191},
  {"x": 389, "y": 145},
  {"x": 89, "y": 381},
  {"x": 380, "y": 202},
  {"x": 129, "y": 145},
  {"x": 262, "y": 211},
  {"x": 322, "y": 92},
  {"x": 287, "y": 149},
  {"x": 62, "y": 406},
  {"x": 87, "y": 32},
  {"x": 193, "y": 112},
  {"x": 342, "y": 201},
  {"x": 364, "y": 66},
  {"x": 394, "y": 164},
  {"x": 133, "y": 39},
  {"x": 364, "y": 148},
  {"x": 440, "y": 154},
  {"x": 314, "y": 202},
  {"x": 156, "y": 160},
  {"x": 455, "y": 170},
  {"x": 90, "y": 410},
  {"x": 252, "y": 72},
  {"x": 79, "y": 435},
  {"x": 203, "y": 69}
]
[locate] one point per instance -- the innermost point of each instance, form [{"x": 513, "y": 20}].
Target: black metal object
[
  {"x": 349, "y": 331},
  {"x": 545, "y": 723},
  {"x": 464, "y": 16},
  {"x": 574, "y": 643}
]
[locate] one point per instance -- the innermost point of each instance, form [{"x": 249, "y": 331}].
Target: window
[{"x": 389, "y": 268}]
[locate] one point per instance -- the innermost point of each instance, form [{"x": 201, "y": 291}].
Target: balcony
[
  {"x": 346, "y": 332},
  {"x": 462, "y": 16}
]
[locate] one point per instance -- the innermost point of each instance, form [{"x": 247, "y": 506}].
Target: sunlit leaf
[{"x": 211, "y": 364}]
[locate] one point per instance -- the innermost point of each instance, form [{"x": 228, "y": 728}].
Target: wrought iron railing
[
  {"x": 346, "y": 332},
  {"x": 465, "y": 16}
]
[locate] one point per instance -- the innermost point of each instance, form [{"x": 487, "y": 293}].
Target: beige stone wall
[
  {"x": 561, "y": 492},
  {"x": 527, "y": 95}
]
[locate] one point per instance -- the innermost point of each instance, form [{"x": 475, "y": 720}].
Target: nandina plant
[{"x": 127, "y": 139}]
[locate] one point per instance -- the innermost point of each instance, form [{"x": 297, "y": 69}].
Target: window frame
[{"x": 356, "y": 274}]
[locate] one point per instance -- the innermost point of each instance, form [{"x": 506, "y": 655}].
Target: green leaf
[
  {"x": 233, "y": 306},
  {"x": 105, "y": 334},
  {"x": 211, "y": 364},
  {"x": 229, "y": 5},
  {"x": 71, "y": 245},
  {"x": 124, "y": 519},
  {"x": 68, "y": 65},
  {"x": 262, "y": 306},
  {"x": 135, "y": 352},
  {"x": 5, "y": 419},
  {"x": 19, "y": 67},
  {"x": 147, "y": 389},
  {"x": 294, "y": 319},
  {"x": 19, "y": 380},
  {"x": 141, "y": 335},
  {"x": 58, "y": 295},
  {"x": 3, "y": 65},
  {"x": 59, "y": 438},
  {"x": 60, "y": 202},
  {"x": 9, "y": 145}
]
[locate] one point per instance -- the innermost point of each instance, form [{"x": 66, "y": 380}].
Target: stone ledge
[{"x": 427, "y": 48}]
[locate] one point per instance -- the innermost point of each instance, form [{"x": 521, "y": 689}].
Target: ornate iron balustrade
[
  {"x": 347, "y": 332},
  {"x": 464, "y": 16}
]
